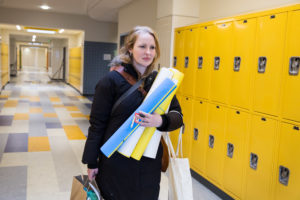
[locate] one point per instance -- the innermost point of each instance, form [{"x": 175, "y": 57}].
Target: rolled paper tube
[
  {"x": 144, "y": 146},
  {"x": 129, "y": 126},
  {"x": 128, "y": 146}
]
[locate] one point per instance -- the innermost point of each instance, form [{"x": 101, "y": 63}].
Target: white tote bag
[{"x": 180, "y": 179}]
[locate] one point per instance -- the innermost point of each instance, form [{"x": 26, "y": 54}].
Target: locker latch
[
  {"x": 186, "y": 62},
  {"x": 262, "y": 62},
  {"x": 200, "y": 62},
  {"x": 253, "y": 161},
  {"x": 183, "y": 128},
  {"x": 195, "y": 134},
  {"x": 294, "y": 65},
  {"x": 217, "y": 63},
  {"x": 174, "y": 61},
  {"x": 211, "y": 141},
  {"x": 284, "y": 174},
  {"x": 230, "y": 149},
  {"x": 237, "y": 64}
]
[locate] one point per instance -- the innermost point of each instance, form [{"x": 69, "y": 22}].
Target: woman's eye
[
  {"x": 142, "y": 46},
  {"x": 152, "y": 47}
]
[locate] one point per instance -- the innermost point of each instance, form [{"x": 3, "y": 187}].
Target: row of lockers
[
  {"x": 251, "y": 62},
  {"x": 247, "y": 155}
]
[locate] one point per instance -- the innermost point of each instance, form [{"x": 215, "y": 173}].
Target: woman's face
[{"x": 143, "y": 50}]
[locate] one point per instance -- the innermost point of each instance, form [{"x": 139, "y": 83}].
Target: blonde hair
[{"x": 130, "y": 40}]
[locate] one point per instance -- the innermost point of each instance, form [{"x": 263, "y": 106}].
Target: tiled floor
[{"x": 43, "y": 127}]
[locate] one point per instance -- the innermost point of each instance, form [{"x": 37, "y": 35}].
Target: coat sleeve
[
  {"x": 99, "y": 117},
  {"x": 173, "y": 119}
]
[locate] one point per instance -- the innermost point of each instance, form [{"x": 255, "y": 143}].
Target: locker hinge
[
  {"x": 284, "y": 174},
  {"x": 294, "y": 66},
  {"x": 253, "y": 161},
  {"x": 211, "y": 141},
  {"x": 230, "y": 149}
]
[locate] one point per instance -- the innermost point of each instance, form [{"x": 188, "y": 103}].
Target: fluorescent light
[
  {"x": 34, "y": 36},
  {"x": 18, "y": 27},
  {"x": 40, "y": 31},
  {"x": 45, "y": 7},
  {"x": 33, "y": 39},
  {"x": 61, "y": 30}
]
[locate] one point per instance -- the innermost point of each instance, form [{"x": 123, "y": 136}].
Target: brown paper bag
[{"x": 77, "y": 192}]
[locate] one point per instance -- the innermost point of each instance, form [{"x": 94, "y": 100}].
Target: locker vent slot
[
  {"x": 237, "y": 64},
  {"x": 262, "y": 62},
  {"x": 230, "y": 149},
  {"x": 217, "y": 63},
  {"x": 195, "y": 134},
  {"x": 296, "y": 128},
  {"x": 253, "y": 161},
  {"x": 186, "y": 62},
  {"x": 200, "y": 62},
  {"x": 294, "y": 66},
  {"x": 245, "y": 21},
  {"x": 263, "y": 119},
  {"x": 284, "y": 174},
  {"x": 174, "y": 61},
  {"x": 211, "y": 141},
  {"x": 238, "y": 112}
]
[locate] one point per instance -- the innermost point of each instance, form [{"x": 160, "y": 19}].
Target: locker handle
[
  {"x": 211, "y": 141},
  {"x": 195, "y": 134},
  {"x": 200, "y": 62},
  {"x": 262, "y": 62},
  {"x": 272, "y": 16},
  {"x": 230, "y": 149},
  {"x": 217, "y": 63},
  {"x": 186, "y": 62},
  {"x": 296, "y": 128},
  {"x": 284, "y": 175},
  {"x": 236, "y": 63},
  {"x": 238, "y": 112},
  {"x": 263, "y": 119},
  {"x": 253, "y": 161},
  {"x": 294, "y": 66},
  {"x": 174, "y": 61},
  {"x": 183, "y": 128}
]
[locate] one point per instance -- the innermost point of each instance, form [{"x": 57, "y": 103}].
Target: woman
[{"x": 119, "y": 177}]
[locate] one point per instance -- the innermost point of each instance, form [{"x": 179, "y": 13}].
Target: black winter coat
[{"x": 119, "y": 177}]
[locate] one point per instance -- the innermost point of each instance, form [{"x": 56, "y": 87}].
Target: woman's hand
[
  {"x": 149, "y": 120},
  {"x": 92, "y": 173}
]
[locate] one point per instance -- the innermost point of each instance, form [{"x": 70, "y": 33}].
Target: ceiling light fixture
[
  {"x": 18, "y": 27},
  {"x": 61, "y": 30},
  {"x": 40, "y": 31},
  {"x": 45, "y": 7}
]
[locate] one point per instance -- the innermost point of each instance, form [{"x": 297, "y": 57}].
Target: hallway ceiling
[{"x": 101, "y": 10}]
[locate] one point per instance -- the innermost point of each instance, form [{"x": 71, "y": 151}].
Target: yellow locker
[
  {"x": 190, "y": 43},
  {"x": 269, "y": 58},
  {"x": 204, "y": 61},
  {"x": 199, "y": 141},
  {"x": 291, "y": 97},
  {"x": 234, "y": 163},
  {"x": 178, "y": 60},
  {"x": 215, "y": 142},
  {"x": 288, "y": 168},
  {"x": 174, "y": 134},
  {"x": 243, "y": 52},
  {"x": 260, "y": 157},
  {"x": 222, "y": 62}
]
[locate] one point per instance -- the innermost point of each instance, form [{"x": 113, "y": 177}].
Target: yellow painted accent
[
  {"x": 50, "y": 115},
  {"x": 4, "y": 96},
  {"x": 11, "y": 103},
  {"x": 289, "y": 152},
  {"x": 270, "y": 43},
  {"x": 74, "y": 133},
  {"x": 4, "y": 64},
  {"x": 75, "y": 57},
  {"x": 58, "y": 106},
  {"x": 35, "y": 110},
  {"x": 36, "y": 144},
  {"x": 21, "y": 116},
  {"x": 291, "y": 96},
  {"x": 54, "y": 99},
  {"x": 71, "y": 108},
  {"x": 38, "y": 28},
  {"x": 24, "y": 97},
  {"x": 77, "y": 115},
  {"x": 34, "y": 99},
  {"x": 261, "y": 143}
]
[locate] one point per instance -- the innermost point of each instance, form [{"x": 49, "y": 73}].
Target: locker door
[
  {"x": 234, "y": 163},
  {"x": 291, "y": 97},
  {"x": 260, "y": 158},
  {"x": 190, "y": 42},
  {"x": 215, "y": 142},
  {"x": 269, "y": 60},
  {"x": 204, "y": 62},
  {"x": 178, "y": 59},
  {"x": 187, "y": 111},
  {"x": 222, "y": 53},
  {"x": 288, "y": 168},
  {"x": 174, "y": 134},
  {"x": 199, "y": 135},
  {"x": 243, "y": 52}
]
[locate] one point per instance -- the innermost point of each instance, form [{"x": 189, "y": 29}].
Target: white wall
[
  {"x": 94, "y": 30},
  {"x": 34, "y": 57}
]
